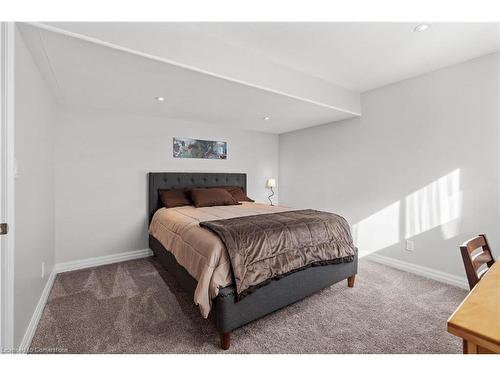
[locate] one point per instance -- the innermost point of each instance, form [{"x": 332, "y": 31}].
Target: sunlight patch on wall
[
  {"x": 437, "y": 204},
  {"x": 377, "y": 231}
]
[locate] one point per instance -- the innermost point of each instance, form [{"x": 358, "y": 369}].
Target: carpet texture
[{"x": 137, "y": 307}]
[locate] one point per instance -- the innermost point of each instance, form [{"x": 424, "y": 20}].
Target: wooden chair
[{"x": 473, "y": 262}]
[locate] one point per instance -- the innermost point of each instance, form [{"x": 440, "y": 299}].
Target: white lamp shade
[{"x": 271, "y": 183}]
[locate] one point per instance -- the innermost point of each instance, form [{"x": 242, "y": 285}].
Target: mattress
[{"x": 197, "y": 249}]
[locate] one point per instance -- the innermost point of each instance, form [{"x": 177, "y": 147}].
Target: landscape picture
[{"x": 199, "y": 149}]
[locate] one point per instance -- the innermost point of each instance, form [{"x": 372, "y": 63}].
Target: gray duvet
[{"x": 270, "y": 246}]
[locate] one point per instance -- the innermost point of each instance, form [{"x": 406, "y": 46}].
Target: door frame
[{"x": 7, "y": 169}]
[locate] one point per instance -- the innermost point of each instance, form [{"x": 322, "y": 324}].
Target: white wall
[
  {"x": 422, "y": 162},
  {"x": 102, "y": 161},
  {"x": 34, "y": 187}
]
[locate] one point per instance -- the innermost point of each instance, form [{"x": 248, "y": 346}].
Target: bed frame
[{"x": 228, "y": 313}]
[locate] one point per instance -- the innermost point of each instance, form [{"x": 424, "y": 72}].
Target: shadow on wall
[{"x": 438, "y": 204}]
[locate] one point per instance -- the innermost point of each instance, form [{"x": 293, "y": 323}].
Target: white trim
[
  {"x": 136, "y": 254},
  {"x": 430, "y": 273},
  {"x": 99, "y": 261},
  {"x": 72, "y": 266},
  {"x": 37, "y": 314},
  {"x": 7, "y": 35},
  {"x": 184, "y": 66}
]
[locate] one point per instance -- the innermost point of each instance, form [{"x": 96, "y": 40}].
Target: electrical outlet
[
  {"x": 410, "y": 245},
  {"x": 43, "y": 270}
]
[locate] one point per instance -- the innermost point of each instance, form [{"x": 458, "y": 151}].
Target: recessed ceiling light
[
  {"x": 421, "y": 27},
  {"x": 267, "y": 118},
  {"x": 160, "y": 98}
]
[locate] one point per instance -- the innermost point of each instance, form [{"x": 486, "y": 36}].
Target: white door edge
[{"x": 7, "y": 39}]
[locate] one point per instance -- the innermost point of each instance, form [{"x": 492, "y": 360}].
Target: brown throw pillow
[
  {"x": 212, "y": 197},
  {"x": 175, "y": 197},
  {"x": 237, "y": 193}
]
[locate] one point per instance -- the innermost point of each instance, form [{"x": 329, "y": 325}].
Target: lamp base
[{"x": 269, "y": 197}]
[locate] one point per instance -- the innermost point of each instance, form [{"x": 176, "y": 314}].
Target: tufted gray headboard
[{"x": 181, "y": 180}]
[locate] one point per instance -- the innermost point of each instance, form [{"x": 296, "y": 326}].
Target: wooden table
[{"x": 477, "y": 319}]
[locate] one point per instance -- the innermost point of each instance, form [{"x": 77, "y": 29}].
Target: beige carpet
[{"x": 137, "y": 307}]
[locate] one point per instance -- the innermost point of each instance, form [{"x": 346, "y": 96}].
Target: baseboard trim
[
  {"x": 99, "y": 261},
  {"x": 37, "y": 314},
  {"x": 430, "y": 273},
  {"x": 137, "y": 254},
  {"x": 72, "y": 266}
]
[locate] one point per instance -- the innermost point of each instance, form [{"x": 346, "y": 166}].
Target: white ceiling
[
  {"x": 361, "y": 56},
  {"x": 183, "y": 45},
  {"x": 88, "y": 74},
  {"x": 357, "y": 56}
]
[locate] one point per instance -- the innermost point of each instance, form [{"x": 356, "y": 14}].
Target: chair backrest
[{"x": 473, "y": 260}]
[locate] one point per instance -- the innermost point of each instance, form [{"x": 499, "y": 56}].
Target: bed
[{"x": 223, "y": 302}]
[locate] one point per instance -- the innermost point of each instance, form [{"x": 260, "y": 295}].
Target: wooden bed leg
[
  {"x": 225, "y": 340},
  {"x": 350, "y": 281}
]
